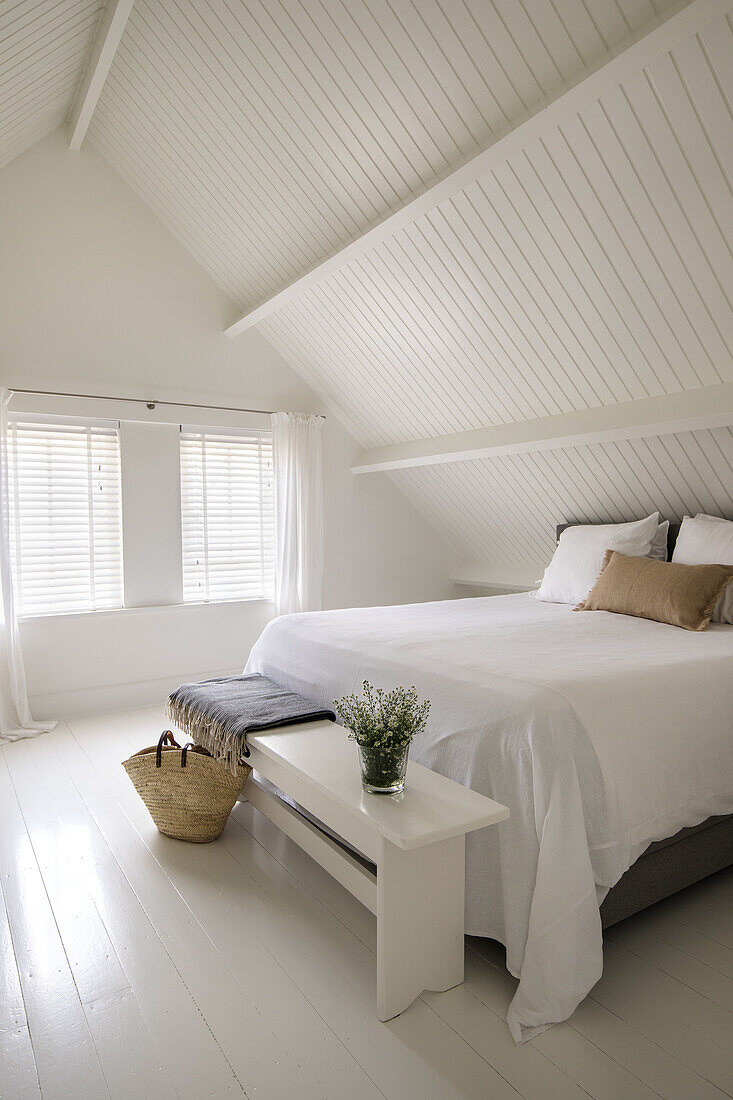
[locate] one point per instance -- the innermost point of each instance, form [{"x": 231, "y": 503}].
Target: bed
[{"x": 603, "y": 734}]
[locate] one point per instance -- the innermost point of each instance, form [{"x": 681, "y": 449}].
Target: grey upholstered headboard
[{"x": 674, "y": 530}]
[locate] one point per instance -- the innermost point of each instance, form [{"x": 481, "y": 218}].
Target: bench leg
[{"x": 420, "y": 921}]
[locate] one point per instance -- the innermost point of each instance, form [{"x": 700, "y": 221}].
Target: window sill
[{"x": 114, "y": 612}]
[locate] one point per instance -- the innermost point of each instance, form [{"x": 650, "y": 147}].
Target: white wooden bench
[{"x": 415, "y": 839}]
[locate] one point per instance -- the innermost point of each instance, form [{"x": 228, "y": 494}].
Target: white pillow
[
  {"x": 577, "y": 562},
  {"x": 708, "y": 540},
  {"x": 659, "y": 546}
]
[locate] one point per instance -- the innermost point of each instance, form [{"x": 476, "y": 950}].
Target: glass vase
[{"x": 383, "y": 770}]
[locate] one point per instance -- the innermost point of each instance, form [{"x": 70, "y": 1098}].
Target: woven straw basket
[{"x": 189, "y": 794}]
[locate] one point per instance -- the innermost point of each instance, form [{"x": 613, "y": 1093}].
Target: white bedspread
[{"x": 602, "y": 733}]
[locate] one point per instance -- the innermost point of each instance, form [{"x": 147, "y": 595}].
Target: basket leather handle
[
  {"x": 184, "y": 752},
  {"x": 166, "y": 736}
]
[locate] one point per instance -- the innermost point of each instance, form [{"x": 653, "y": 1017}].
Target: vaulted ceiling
[
  {"x": 590, "y": 266},
  {"x": 291, "y": 126},
  {"x": 44, "y": 45}
]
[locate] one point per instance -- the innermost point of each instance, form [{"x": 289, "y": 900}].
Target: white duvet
[{"x": 602, "y": 733}]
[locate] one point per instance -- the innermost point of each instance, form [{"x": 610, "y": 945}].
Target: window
[
  {"x": 65, "y": 518},
  {"x": 228, "y": 514}
]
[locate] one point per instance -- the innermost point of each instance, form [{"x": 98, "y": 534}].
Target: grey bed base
[{"x": 670, "y": 865}]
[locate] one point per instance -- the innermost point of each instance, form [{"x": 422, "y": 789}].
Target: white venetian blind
[
  {"x": 65, "y": 516},
  {"x": 228, "y": 514}
]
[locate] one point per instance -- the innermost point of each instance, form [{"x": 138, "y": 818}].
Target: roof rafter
[
  {"x": 689, "y": 410},
  {"x": 111, "y": 25},
  {"x": 649, "y": 43}
]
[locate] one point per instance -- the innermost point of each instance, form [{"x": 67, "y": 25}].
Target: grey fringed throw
[{"x": 217, "y": 714}]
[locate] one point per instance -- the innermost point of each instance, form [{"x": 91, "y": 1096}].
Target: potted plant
[{"x": 383, "y": 724}]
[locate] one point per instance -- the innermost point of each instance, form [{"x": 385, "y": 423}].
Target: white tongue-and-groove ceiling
[
  {"x": 293, "y": 126},
  {"x": 44, "y": 45},
  {"x": 591, "y": 267},
  {"x": 504, "y": 510}
]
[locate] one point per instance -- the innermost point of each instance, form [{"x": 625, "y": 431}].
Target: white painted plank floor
[{"x": 135, "y": 966}]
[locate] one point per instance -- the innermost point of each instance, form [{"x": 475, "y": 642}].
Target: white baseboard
[{"x": 69, "y": 704}]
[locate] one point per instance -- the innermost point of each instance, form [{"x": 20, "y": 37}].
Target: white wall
[
  {"x": 97, "y": 297},
  {"x": 152, "y": 539}
]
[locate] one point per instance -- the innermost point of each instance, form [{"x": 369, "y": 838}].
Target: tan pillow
[{"x": 681, "y": 595}]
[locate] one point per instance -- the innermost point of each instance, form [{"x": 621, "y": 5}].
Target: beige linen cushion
[{"x": 681, "y": 595}]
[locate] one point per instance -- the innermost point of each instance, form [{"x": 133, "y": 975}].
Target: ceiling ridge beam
[
  {"x": 645, "y": 46},
  {"x": 667, "y": 414},
  {"x": 111, "y": 25}
]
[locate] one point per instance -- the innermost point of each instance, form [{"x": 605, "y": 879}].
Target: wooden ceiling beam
[
  {"x": 111, "y": 25},
  {"x": 690, "y": 410},
  {"x": 644, "y": 47}
]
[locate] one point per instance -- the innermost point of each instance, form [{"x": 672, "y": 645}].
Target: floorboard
[
  {"x": 134, "y": 966},
  {"x": 192, "y": 1057},
  {"x": 258, "y": 1061},
  {"x": 18, "y": 1073},
  {"x": 54, "y": 1010}
]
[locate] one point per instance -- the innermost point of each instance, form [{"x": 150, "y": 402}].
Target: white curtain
[
  {"x": 15, "y": 715},
  {"x": 296, "y": 441}
]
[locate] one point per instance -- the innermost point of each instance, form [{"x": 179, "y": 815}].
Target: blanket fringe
[{"x": 224, "y": 744}]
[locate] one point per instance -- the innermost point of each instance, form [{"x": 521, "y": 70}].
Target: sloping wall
[
  {"x": 504, "y": 510},
  {"x": 97, "y": 297}
]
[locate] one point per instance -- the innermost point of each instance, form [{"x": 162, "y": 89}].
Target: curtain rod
[{"x": 143, "y": 401}]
